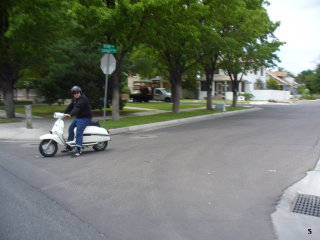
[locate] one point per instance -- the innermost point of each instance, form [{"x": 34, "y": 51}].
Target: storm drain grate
[{"x": 307, "y": 204}]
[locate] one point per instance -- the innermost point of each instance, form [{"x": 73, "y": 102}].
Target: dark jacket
[{"x": 79, "y": 107}]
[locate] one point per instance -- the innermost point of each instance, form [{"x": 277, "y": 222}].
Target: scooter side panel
[
  {"x": 95, "y": 138},
  {"x": 52, "y": 137},
  {"x": 95, "y": 134},
  {"x": 95, "y": 130}
]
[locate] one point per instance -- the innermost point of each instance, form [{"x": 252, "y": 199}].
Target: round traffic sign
[{"x": 108, "y": 63}]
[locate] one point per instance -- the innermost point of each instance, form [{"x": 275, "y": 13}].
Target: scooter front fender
[{"x": 52, "y": 137}]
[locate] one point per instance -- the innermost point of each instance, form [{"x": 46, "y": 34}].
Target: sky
[{"x": 300, "y": 29}]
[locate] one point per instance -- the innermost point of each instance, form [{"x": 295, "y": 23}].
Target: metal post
[
  {"x": 28, "y": 114},
  {"x": 106, "y": 93}
]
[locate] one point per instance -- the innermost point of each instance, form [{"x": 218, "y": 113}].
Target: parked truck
[{"x": 147, "y": 93}]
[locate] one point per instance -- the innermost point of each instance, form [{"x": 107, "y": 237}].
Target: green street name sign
[
  {"x": 108, "y": 48},
  {"x": 103, "y": 50}
]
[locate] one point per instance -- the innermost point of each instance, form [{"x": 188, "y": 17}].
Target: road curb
[{"x": 158, "y": 125}]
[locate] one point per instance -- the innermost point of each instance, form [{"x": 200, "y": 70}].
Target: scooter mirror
[{"x": 58, "y": 115}]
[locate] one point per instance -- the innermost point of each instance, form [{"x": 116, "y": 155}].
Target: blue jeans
[{"x": 81, "y": 124}]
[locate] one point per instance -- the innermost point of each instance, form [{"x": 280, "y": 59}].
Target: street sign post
[{"x": 108, "y": 65}]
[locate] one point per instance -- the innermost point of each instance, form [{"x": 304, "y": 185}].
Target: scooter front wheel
[
  {"x": 48, "y": 148},
  {"x": 100, "y": 146}
]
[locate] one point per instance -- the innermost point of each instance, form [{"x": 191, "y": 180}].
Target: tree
[
  {"x": 211, "y": 41},
  {"x": 75, "y": 64},
  {"x": 219, "y": 18},
  {"x": 143, "y": 61},
  {"x": 308, "y": 77},
  {"x": 174, "y": 34},
  {"x": 250, "y": 42},
  {"x": 117, "y": 22},
  {"x": 27, "y": 29}
]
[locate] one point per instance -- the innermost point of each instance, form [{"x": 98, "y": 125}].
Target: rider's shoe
[
  {"x": 67, "y": 149},
  {"x": 78, "y": 152}
]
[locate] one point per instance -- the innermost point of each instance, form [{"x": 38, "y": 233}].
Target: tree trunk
[
  {"x": 209, "y": 80},
  {"x": 9, "y": 102},
  {"x": 209, "y": 69},
  {"x": 175, "y": 80},
  {"x": 8, "y": 76},
  {"x": 235, "y": 84},
  {"x": 234, "y": 98}
]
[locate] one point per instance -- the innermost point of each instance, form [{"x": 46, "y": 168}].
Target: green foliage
[
  {"x": 310, "y": 97},
  {"x": 143, "y": 61},
  {"x": 260, "y": 84},
  {"x": 303, "y": 90},
  {"x": 247, "y": 96},
  {"x": 30, "y": 27},
  {"x": 176, "y": 35},
  {"x": 121, "y": 23},
  {"x": 79, "y": 66},
  {"x": 311, "y": 79},
  {"x": 191, "y": 82},
  {"x": 249, "y": 42},
  {"x": 27, "y": 31},
  {"x": 273, "y": 84}
]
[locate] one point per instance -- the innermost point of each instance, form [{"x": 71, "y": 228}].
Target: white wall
[
  {"x": 278, "y": 95},
  {"x": 266, "y": 95}
]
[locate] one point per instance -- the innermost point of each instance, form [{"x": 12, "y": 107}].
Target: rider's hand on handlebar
[{"x": 66, "y": 115}]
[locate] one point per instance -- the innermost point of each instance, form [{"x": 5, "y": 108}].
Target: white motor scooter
[{"x": 94, "y": 136}]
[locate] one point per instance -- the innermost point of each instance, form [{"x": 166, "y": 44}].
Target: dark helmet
[{"x": 76, "y": 89}]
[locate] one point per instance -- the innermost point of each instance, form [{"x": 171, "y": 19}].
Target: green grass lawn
[
  {"x": 162, "y": 105},
  {"x": 138, "y": 120},
  {"x": 204, "y": 101},
  {"x": 48, "y": 110}
]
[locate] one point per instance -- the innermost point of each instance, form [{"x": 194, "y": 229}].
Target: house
[
  {"x": 285, "y": 81},
  {"x": 253, "y": 82},
  {"x": 23, "y": 94},
  {"x": 135, "y": 82}
]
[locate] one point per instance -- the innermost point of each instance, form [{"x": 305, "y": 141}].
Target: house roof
[
  {"x": 280, "y": 74},
  {"x": 276, "y": 77}
]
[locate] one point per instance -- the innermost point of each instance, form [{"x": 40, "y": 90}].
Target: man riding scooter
[{"x": 80, "y": 108}]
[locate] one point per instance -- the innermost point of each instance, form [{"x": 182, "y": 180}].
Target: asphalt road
[{"x": 218, "y": 179}]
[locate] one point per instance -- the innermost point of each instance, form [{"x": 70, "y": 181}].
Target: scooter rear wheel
[
  {"x": 47, "y": 148},
  {"x": 100, "y": 146}
]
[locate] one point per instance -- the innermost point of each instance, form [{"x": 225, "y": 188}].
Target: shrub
[
  {"x": 273, "y": 84},
  {"x": 259, "y": 84},
  {"x": 247, "y": 96},
  {"x": 310, "y": 97}
]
